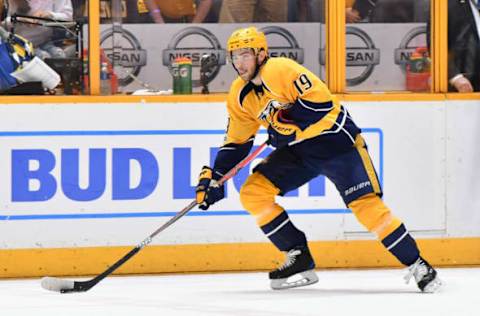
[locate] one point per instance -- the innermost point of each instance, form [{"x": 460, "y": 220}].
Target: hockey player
[{"x": 313, "y": 134}]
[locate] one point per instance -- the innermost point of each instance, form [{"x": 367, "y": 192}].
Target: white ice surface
[{"x": 339, "y": 292}]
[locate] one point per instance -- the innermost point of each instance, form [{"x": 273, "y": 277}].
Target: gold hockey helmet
[{"x": 248, "y": 37}]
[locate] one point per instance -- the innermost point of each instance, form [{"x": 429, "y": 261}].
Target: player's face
[{"x": 244, "y": 61}]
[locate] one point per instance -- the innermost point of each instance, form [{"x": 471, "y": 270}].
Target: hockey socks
[
  {"x": 401, "y": 244},
  {"x": 283, "y": 234}
]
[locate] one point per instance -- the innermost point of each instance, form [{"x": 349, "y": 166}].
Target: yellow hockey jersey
[{"x": 291, "y": 99}]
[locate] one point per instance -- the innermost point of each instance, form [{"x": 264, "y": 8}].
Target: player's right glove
[{"x": 208, "y": 191}]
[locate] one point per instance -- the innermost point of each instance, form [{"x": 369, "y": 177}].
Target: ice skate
[
  {"x": 299, "y": 266},
  {"x": 425, "y": 276}
]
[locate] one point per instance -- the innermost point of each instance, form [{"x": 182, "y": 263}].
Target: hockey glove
[
  {"x": 208, "y": 191},
  {"x": 281, "y": 131},
  {"x": 278, "y": 140}
]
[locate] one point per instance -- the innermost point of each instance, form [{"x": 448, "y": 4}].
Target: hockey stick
[{"x": 68, "y": 286}]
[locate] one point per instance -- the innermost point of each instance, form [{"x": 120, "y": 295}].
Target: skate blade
[
  {"x": 433, "y": 286},
  {"x": 307, "y": 278}
]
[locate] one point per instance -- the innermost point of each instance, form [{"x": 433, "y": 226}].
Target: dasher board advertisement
[{"x": 106, "y": 174}]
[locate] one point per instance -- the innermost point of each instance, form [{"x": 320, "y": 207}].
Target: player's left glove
[
  {"x": 208, "y": 191},
  {"x": 281, "y": 130},
  {"x": 277, "y": 139}
]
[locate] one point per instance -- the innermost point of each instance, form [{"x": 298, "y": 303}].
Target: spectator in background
[
  {"x": 159, "y": 11},
  {"x": 214, "y": 12},
  {"x": 393, "y": 11},
  {"x": 464, "y": 45},
  {"x": 388, "y": 11},
  {"x": 306, "y": 11},
  {"x": 359, "y": 11},
  {"x": 422, "y": 11},
  {"x": 40, "y": 36},
  {"x": 178, "y": 11},
  {"x": 245, "y": 11},
  {"x": 79, "y": 9},
  {"x": 131, "y": 11},
  {"x": 138, "y": 11}
]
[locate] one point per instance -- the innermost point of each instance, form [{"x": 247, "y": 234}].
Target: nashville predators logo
[
  {"x": 266, "y": 115},
  {"x": 273, "y": 114}
]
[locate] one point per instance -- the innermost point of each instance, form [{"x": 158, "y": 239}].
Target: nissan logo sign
[
  {"x": 366, "y": 55},
  {"x": 292, "y": 50},
  {"x": 124, "y": 51},
  {"x": 404, "y": 51},
  {"x": 195, "y": 51}
]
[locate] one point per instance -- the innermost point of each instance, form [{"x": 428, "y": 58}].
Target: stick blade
[{"x": 57, "y": 284}]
